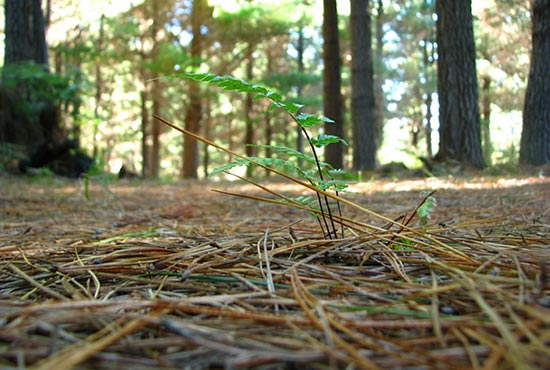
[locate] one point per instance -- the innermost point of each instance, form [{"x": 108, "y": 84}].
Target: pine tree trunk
[
  {"x": 299, "y": 91},
  {"x": 155, "y": 95},
  {"x": 362, "y": 83},
  {"x": 378, "y": 66},
  {"x": 486, "y": 119},
  {"x": 25, "y": 32},
  {"x": 459, "y": 119},
  {"x": 145, "y": 147},
  {"x": 535, "y": 137},
  {"x": 249, "y": 129},
  {"x": 332, "y": 95},
  {"x": 25, "y": 41},
  {"x": 194, "y": 110}
]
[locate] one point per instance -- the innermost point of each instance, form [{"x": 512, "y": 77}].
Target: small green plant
[
  {"x": 324, "y": 181},
  {"x": 321, "y": 177},
  {"x": 426, "y": 208}
]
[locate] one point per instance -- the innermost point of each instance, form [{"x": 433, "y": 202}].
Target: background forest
[{"x": 108, "y": 61}]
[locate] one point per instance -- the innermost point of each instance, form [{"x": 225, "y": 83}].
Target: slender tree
[
  {"x": 459, "y": 119},
  {"x": 155, "y": 91},
  {"x": 193, "y": 111},
  {"x": 332, "y": 81},
  {"x": 535, "y": 137},
  {"x": 379, "y": 72},
  {"x": 362, "y": 83}
]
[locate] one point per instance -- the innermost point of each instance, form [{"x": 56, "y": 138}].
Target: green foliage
[
  {"x": 305, "y": 121},
  {"x": 10, "y": 154},
  {"x": 38, "y": 86},
  {"x": 425, "y": 209},
  {"x": 323, "y": 178}
]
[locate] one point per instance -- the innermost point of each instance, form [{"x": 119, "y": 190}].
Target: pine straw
[{"x": 173, "y": 276}]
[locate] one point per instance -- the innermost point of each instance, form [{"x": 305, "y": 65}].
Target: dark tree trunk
[
  {"x": 98, "y": 85},
  {"x": 194, "y": 110},
  {"x": 299, "y": 88},
  {"x": 486, "y": 119},
  {"x": 25, "y": 32},
  {"x": 25, "y": 41},
  {"x": 428, "y": 60},
  {"x": 249, "y": 130},
  {"x": 145, "y": 134},
  {"x": 155, "y": 130},
  {"x": 207, "y": 134},
  {"x": 459, "y": 120},
  {"x": 155, "y": 95},
  {"x": 268, "y": 125},
  {"x": 378, "y": 65},
  {"x": 362, "y": 83},
  {"x": 535, "y": 137},
  {"x": 332, "y": 81}
]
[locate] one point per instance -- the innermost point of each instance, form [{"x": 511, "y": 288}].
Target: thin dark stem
[{"x": 330, "y": 230}]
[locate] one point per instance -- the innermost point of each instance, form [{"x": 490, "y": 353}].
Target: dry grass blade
[
  {"x": 182, "y": 277},
  {"x": 437, "y": 244}
]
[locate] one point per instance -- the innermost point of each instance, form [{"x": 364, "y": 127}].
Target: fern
[{"x": 324, "y": 178}]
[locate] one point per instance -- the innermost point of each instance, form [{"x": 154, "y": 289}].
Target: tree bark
[
  {"x": 535, "y": 137},
  {"x": 194, "y": 109},
  {"x": 378, "y": 65},
  {"x": 332, "y": 81},
  {"x": 25, "y": 41},
  {"x": 249, "y": 129},
  {"x": 486, "y": 119},
  {"x": 155, "y": 95},
  {"x": 299, "y": 90},
  {"x": 25, "y": 32},
  {"x": 363, "y": 113},
  {"x": 459, "y": 119}
]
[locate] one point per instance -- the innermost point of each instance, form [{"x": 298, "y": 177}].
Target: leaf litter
[{"x": 152, "y": 275}]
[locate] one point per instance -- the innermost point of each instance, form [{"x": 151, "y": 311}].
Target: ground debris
[{"x": 152, "y": 275}]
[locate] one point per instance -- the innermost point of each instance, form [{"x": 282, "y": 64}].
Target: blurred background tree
[{"x": 109, "y": 60}]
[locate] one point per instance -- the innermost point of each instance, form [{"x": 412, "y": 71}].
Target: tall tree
[
  {"x": 378, "y": 66},
  {"x": 459, "y": 119},
  {"x": 363, "y": 113},
  {"x": 535, "y": 137},
  {"x": 25, "y": 41},
  {"x": 193, "y": 111},
  {"x": 155, "y": 92},
  {"x": 25, "y": 32},
  {"x": 332, "y": 81}
]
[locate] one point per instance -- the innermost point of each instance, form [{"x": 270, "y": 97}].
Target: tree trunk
[
  {"x": 25, "y": 32},
  {"x": 535, "y": 137},
  {"x": 268, "y": 125},
  {"x": 378, "y": 65},
  {"x": 155, "y": 95},
  {"x": 332, "y": 81},
  {"x": 207, "y": 134},
  {"x": 155, "y": 130},
  {"x": 428, "y": 125},
  {"x": 25, "y": 41},
  {"x": 98, "y": 86},
  {"x": 486, "y": 119},
  {"x": 249, "y": 130},
  {"x": 299, "y": 91},
  {"x": 145, "y": 147},
  {"x": 428, "y": 61},
  {"x": 194, "y": 109},
  {"x": 362, "y": 83},
  {"x": 459, "y": 120}
]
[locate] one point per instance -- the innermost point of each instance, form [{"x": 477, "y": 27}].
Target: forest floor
[{"x": 147, "y": 275}]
